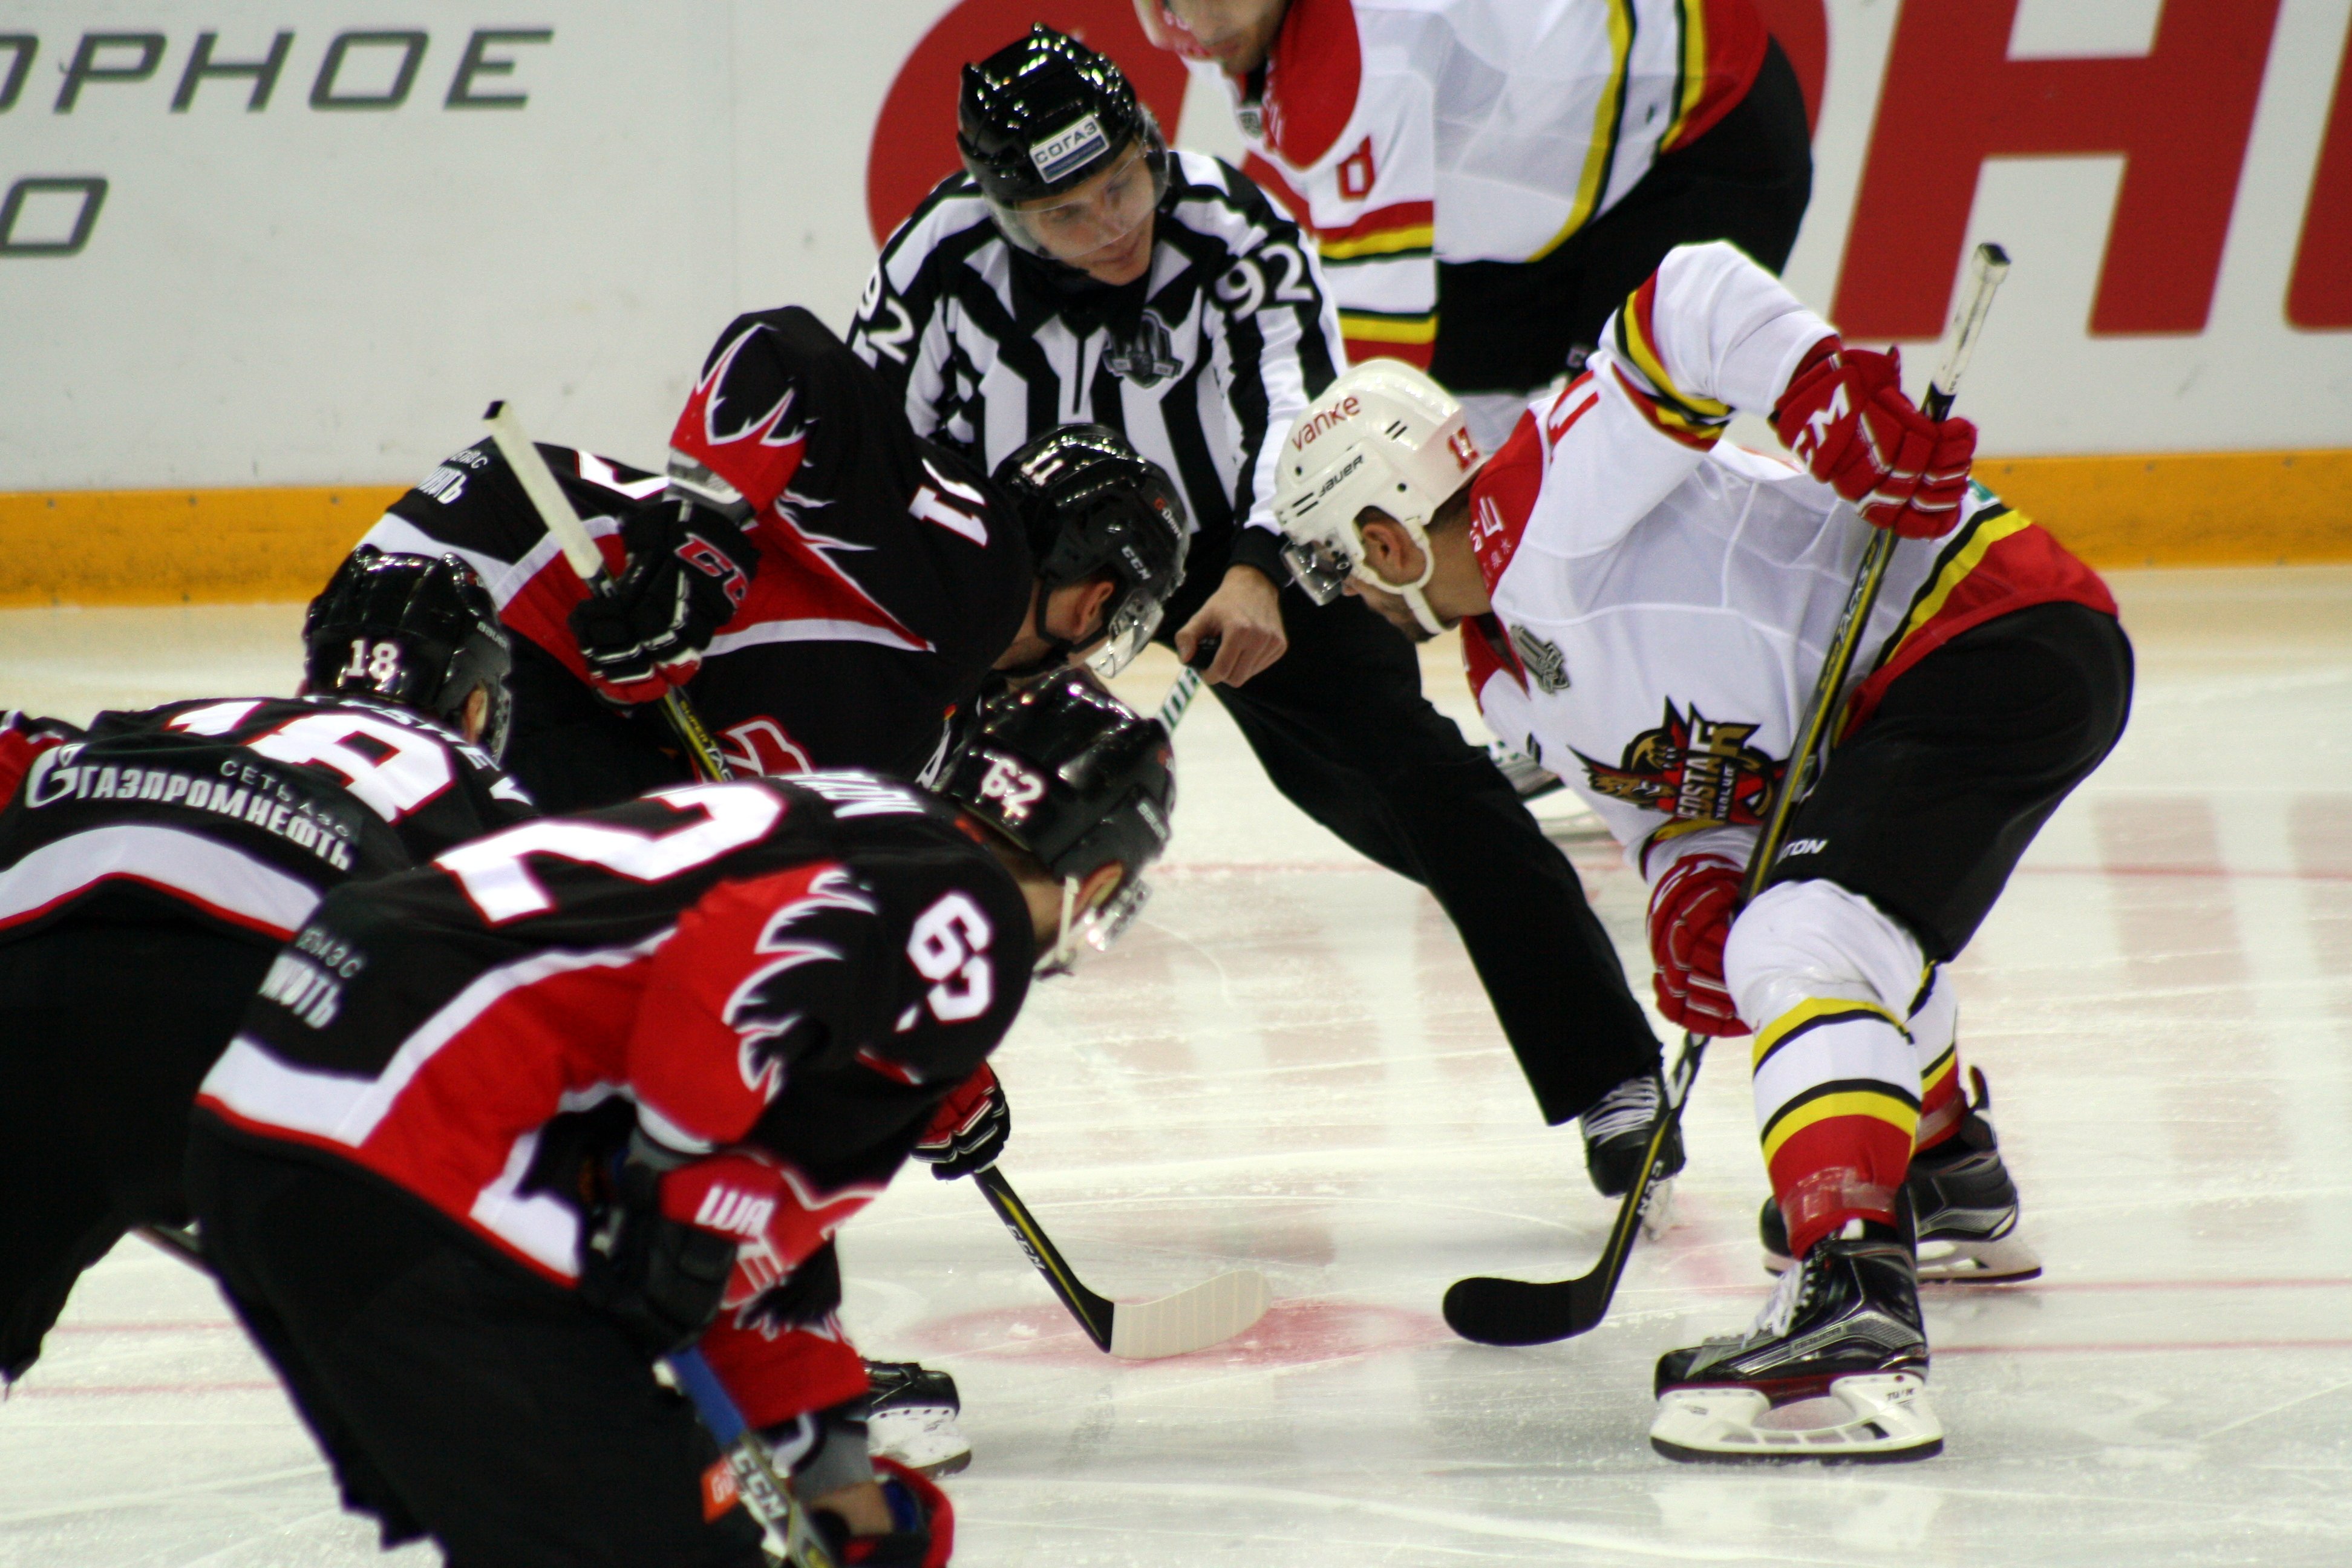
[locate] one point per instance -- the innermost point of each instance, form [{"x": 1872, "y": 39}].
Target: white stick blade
[{"x": 1190, "y": 1319}]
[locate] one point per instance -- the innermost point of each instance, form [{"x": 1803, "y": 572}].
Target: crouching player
[
  {"x": 152, "y": 864},
  {"x": 593, "y": 1090},
  {"x": 1646, "y": 612}
]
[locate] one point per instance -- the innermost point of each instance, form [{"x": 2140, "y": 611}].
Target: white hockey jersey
[
  {"x": 1663, "y": 604},
  {"x": 1405, "y": 132}
]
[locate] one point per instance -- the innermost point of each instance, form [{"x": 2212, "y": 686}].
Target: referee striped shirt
[{"x": 1202, "y": 363}]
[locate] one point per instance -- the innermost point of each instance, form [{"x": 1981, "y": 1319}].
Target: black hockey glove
[
  {"x": 660, "y": 1277},
  {"x": 967, "y": 1133},
  {"x": 690, "y": 569}
]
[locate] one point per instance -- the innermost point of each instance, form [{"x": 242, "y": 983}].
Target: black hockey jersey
[
  {"x": 893, "y": 572},
  {"x": 240, "y": 812},
  {"x": 802, "y": 967}
]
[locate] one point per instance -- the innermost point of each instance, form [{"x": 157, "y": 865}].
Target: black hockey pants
[
  {"x": 456, "y": 1396},
  {"x": 106, "y": 1029},
  {"x": 1343, "y": 731}
]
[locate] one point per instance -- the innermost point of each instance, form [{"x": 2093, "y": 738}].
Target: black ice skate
[
  {"x": 1835, "y": 1368},
  {"x": 1966, "y": 1206},
  {"x": 1616, "y": 1133},
  {"x": 913, "y": 1417}
]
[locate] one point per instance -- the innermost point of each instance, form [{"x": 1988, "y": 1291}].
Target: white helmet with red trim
[{"x": 1381, "y": 436}]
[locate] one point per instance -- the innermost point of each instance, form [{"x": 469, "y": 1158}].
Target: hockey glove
[
  {"x": 678, "y": 1246},
  {"x": 1690, "y": 917},
  {"x": 689, "y": 570},
  {"x": 968, "y": 1131},
  {"x": 1845, "y": 416},
  {"x": 922, "y": 1520}
]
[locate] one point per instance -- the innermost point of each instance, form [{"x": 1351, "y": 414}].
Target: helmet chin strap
[{"x": 1410, "y": 593}]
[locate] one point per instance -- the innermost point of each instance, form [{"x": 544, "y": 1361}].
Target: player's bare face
[
  {"x": 1390, "y": 607},
  {"x": 1236, "y": 34},
  {"x": 1103, "y": 224}
]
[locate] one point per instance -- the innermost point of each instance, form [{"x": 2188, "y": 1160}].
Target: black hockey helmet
[
  {"x": 1079, "y": 780},
  {"x": 417, "y": 630},
  {"x": 1090, "y": 504},
  {"x": 1042, "y": 116}
]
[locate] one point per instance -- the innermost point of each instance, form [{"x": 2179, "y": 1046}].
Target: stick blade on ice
[
  {"x": 1491, "y": 1312},
  {"x": 1207, "y": 1314}
]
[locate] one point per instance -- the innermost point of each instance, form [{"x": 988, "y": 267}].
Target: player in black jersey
[
  {"x": 152, "y": 864},
  {"x": 593, "y": 1090},
  {"x": 825, "y": 586}
]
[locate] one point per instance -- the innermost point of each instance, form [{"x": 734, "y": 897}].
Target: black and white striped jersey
[
  {"x": 239, "y": 812},
  {"x": 1202, "y": 364}
]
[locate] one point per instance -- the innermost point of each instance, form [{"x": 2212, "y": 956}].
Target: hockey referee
[{"x": 1078, "y": 269}]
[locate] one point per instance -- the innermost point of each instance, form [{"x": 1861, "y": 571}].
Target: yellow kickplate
[
  {"x": 176, "y": 547},
  {"x": 2187, "y": 508}
]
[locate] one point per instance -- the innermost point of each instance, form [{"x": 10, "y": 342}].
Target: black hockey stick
[
  {"x": 1207, "y": 1314},
  {"x": 571, "y": 536},
  {"x": 1524, "y": 1312}
]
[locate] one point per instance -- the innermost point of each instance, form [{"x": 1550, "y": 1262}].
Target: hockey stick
[
  {"x": 1188, "y": 683},
  {"x": 1191, "y": 1320},
  {"x": 571, "y": 536},
  {"x": 1523, "y": 1312},
  {"x": 764, "y": 1491}
]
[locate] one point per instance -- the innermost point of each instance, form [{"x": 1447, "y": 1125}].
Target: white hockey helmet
[{"x": 1382, "y": 436}]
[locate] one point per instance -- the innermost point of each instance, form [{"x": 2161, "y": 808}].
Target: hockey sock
[
  {"x": 1837, "y": 1103},
  {"x": 1934, "y": 1027}
]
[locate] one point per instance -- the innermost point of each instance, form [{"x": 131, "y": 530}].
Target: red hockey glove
[
  {"x": 689, "y": 570},
  {"x": 968, "y": 1131},
  {"x": 22, "y": 739},
  {"x": 1690, "y": 916},
  {"x": 922, "y": 1533},
  {"x": 1845, "y": 416}
]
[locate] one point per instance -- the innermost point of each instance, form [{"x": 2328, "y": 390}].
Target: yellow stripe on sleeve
[
  {"x": 1692, "y": 15},
  {"x": 1651, "y": 363},
  {"x": 1884, "y": 1107}
]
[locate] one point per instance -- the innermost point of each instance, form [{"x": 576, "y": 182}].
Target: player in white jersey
[
  {"x": 1647, "y": 611},
  {"x": 1486, "y": 179}
]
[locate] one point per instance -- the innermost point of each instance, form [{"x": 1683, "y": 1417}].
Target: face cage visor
[
  {"x": 1097, "y": 929},
  {"x": 1125, "y": 632},
  {"x": 1317, "y": 567},
  {"x": 1098, "y": 215}
]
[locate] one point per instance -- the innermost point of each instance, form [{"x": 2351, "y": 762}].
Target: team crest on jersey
[
  {"x": 1149, "y": 357},
  {"x": 1543, "y": 661},
  {"x": 1694, "y": 769}
]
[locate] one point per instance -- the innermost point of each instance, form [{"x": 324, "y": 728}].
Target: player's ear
[
  {"x": 476, "y": 715},
  {"x": 1386, "y": 546},
  {"x": 1099, "y": 885}
]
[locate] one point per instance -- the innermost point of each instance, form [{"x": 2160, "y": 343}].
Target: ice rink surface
[{"x": 1288, "y": 1066}]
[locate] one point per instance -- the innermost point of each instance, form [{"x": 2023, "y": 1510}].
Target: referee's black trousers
[{"x": 1343, "y": 731}]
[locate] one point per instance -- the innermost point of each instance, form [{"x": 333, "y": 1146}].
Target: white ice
[{"x": 1289, "y": 1066}]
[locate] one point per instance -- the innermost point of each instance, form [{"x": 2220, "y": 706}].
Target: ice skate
[
  {"x": 1967, "y": 1207},
  {"x": 1616, "y": 1135},
  {"x": 913, "y": 1417},
  {"x": 1835, "y": 1368}
]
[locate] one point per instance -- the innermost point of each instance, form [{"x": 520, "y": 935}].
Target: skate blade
[
  {"x": 922, "y": 1437},
  {"x": 2004, "y": 1261},
  {"x": 1658, "y": 1209},
  {"x": 2008, "y": 1261},
  {"x": 1887, "y": 1419}
]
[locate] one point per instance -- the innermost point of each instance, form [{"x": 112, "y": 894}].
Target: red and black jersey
[
  {"x": 893, "y": 572},
  {"x": 240, "y": 813},
  {"x": 802, "y": 967}
]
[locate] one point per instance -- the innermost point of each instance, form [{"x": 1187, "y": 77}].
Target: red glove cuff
[
  {"x": 776, "y": 1215},
  {"x": 965, "y": 1104},
  {"x": 1691, "y": 911}
]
